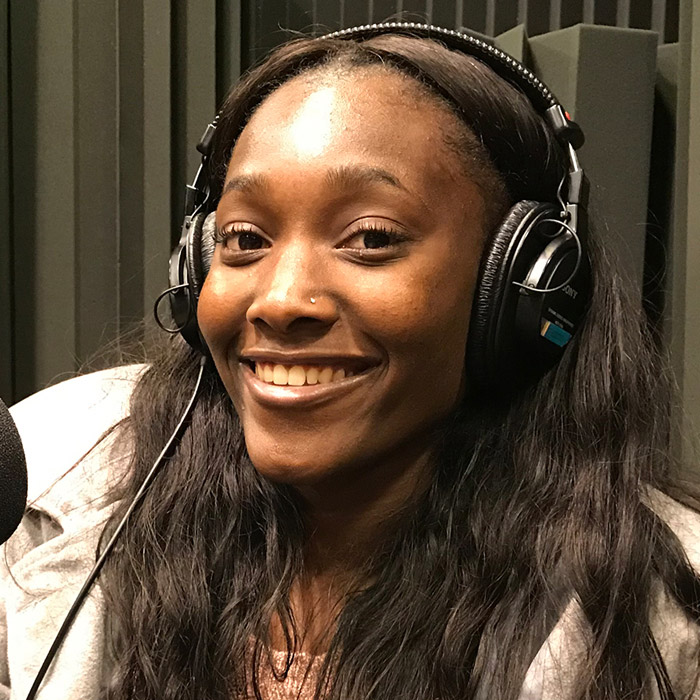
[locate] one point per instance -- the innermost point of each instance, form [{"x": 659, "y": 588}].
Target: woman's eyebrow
[
  {"x": 350, "y": 176},
  {"x": 340, "y": 177},
  {"x": 245, "y": 183}
]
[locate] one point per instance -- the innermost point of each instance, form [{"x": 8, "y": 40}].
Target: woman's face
[{"x": 337, "y": 305}]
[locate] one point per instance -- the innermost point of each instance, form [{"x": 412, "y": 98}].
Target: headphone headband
[
  {"x": 505, "y": 66},
  {"x": 538, "y": 93}
]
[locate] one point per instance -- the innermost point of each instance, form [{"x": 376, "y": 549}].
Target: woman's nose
[{"x": 291, "y": 293}]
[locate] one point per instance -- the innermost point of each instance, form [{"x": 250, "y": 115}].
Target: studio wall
[{"x": 101, "y": 104}]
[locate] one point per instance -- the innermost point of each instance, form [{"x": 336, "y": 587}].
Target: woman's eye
[
  {"x": 241, "y": 239},
  {"x": 376, "y": 239},
  {"x": 250, "y": 241},
  {"x": 371, "y": 239}
]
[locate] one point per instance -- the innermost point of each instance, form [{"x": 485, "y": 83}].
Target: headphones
[{"x": 534, "y": 283}]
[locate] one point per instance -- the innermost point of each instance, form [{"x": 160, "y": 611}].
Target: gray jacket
[{"x": 48, "y": 558}]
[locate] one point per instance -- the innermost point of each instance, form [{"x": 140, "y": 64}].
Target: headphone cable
[{"x": 92, "y": 576}]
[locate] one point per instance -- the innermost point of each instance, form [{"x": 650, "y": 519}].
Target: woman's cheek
[{"x": 218, "y": 309}]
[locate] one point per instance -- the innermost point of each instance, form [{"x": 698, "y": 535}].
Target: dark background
[{"x": 102, "y": 101}]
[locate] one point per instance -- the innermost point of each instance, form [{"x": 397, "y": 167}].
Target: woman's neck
[
  {"x": 350, "y": 514},
  {"x": 349, "y": 518}
]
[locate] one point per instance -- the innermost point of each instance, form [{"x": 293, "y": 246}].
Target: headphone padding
[
  {"x": 200, "y": 249},
  {"x": 194, "y": 261},
  {"x": 489, "y": 293},
  {"x": 208, "y": 244}
]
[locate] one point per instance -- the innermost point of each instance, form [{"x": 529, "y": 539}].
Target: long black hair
[{"x": 537, "y": 503}]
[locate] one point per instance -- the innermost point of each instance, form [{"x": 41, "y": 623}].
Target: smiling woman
[
  {"x": 429, "y": 457},
  {"x": 391, "y": 271}
]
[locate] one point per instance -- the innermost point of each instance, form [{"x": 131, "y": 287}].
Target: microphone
[{"x": 13, "y": 475}]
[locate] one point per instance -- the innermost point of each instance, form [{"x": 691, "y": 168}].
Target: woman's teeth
[{"x": 297, "y": 375}]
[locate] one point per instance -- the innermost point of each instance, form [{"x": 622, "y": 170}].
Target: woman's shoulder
[
  {"x": 552, "y": 674},
  {"x": 676, "y": 632},
  {"x": 72, "y": 460},
  {"x": 62, "y": 428}
]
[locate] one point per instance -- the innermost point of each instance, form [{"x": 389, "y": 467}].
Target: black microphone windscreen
[{"x": 13, "y": 475}]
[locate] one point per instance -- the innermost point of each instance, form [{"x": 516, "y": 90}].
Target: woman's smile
[
  {"x": 287, "y": 380},
  {"x": 274, "y": 384},
  {"x": 337, "y": 304}
]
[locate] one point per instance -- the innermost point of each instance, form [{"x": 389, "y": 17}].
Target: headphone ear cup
[
  {"x": 197, "y": 266},
  {"x": 490, "y": 327}
]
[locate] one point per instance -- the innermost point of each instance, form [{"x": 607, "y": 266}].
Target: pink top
[{"x": 300, "y": 681}]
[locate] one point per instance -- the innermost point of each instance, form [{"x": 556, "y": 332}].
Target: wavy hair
[{"x": 535, "y": 501}]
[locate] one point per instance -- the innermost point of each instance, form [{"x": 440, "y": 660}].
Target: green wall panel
[
  {"x": 605, "y": 77},
  {"x": 44, "y": 205},
  {"x": 6, "y": 254},
  {"x": 105, "y": 102},
  {"x": 684, "y": 279}
]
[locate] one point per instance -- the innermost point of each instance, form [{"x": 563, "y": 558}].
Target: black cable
[
  {"x": 663, "y": 680},
  {"x": 92, "y": 576}
]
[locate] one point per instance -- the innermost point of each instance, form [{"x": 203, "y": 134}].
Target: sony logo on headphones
[{"x": 570, "y": 291}]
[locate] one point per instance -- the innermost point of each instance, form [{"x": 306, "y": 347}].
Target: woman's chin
[
  {"x": 290, "y": 466},
  {"x": 300, "y": 457}
]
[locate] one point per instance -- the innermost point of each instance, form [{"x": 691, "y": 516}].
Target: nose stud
[{"x": 313, "y": 301}]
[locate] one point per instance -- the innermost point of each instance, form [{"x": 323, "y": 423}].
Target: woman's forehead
[{"x": 342, "y": 116}]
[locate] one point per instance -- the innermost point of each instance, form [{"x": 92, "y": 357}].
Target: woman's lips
[{"x": 321, "y": 383}]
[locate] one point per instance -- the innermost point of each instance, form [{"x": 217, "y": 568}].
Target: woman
[{"x": 349, "y": 513}]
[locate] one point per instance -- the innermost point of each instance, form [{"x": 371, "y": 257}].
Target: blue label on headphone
[{"x": 555, "y": 334}]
